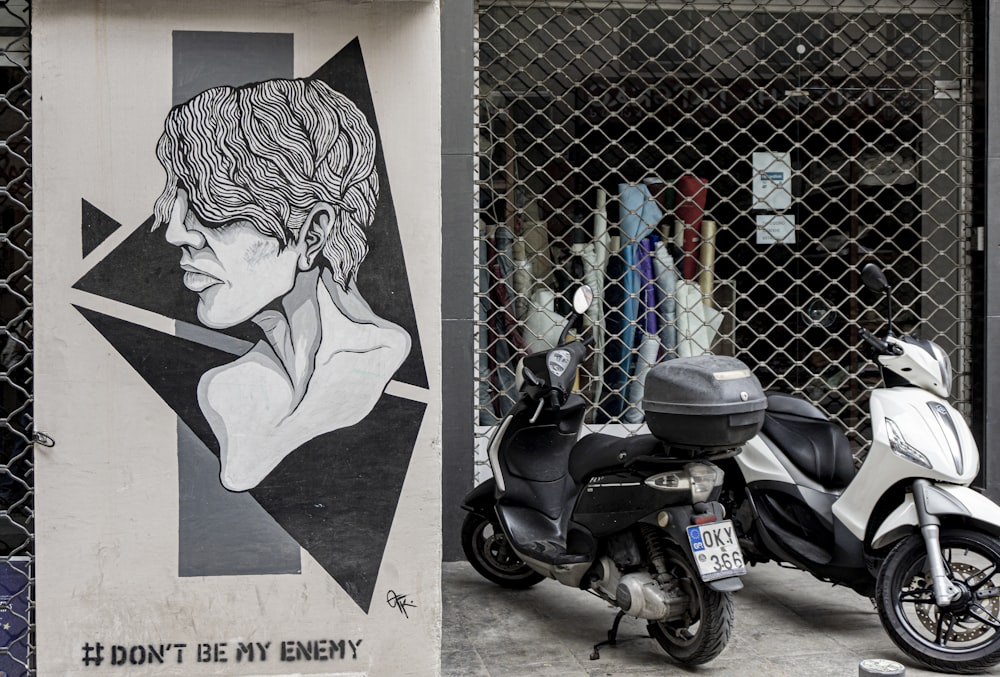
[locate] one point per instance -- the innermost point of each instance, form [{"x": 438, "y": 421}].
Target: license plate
[{"x": 716, "y": 550}]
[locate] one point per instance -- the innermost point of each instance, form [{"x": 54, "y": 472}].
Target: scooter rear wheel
[
  {"x": 490, "y": 554},
  {"x": 703, "y": 632},
  {"x": 963, "y": 637}
]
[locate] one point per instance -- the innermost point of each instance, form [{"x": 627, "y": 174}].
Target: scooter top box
[{"x": 706, "y": 402}]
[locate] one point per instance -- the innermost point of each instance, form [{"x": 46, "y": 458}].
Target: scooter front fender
[
  {"x": 942, "y": 499},
  {"x": 482, "y": 499}
]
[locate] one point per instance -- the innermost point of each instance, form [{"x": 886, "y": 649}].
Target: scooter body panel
[
  {"x": 534, "y": 491},
  {"x": 768, "y": 473},
  {"x": 482, "y": 499},
  {"x": 941, "y": 500},
  {"x": 930, "y": 426},
  {"x": 794, "y": 523},
  {"x": 759, "y": 462},
  {"x": 614, "y": 501},
  {"x": 554, "y": 519}
]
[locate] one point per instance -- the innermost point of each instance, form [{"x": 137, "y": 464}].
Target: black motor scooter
[{"x": 633, "y": 520}]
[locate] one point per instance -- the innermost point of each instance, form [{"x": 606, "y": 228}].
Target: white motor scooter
[{"x": 904, "y": 528}]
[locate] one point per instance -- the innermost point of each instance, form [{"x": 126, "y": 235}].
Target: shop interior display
[{"x": 649, "y": 201}]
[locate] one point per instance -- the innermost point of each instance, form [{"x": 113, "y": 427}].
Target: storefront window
[{"x": 719, "y": 173}]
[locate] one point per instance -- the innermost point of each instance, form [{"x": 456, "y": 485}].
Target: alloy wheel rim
[{"x": 971, "y": 617}]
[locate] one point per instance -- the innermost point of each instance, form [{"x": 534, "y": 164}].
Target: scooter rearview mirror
[
  {"x": 583, "y": 297},
  {"x": 874, "y": 278}
]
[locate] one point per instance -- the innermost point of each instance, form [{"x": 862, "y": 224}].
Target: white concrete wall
[{"x": 110, "y": 595}]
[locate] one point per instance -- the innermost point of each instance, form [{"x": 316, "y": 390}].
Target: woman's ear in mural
[{"x": 314, "y": 234}]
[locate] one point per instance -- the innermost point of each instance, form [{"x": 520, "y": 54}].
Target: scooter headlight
[{"x": 902, "y": 448}]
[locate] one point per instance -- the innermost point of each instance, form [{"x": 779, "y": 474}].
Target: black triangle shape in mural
[
  {"x": 333, "y": 495},
  {"x": 382, "y": 278},
  {"x": 96, "y": 227},
  {"x": 337, "y": 494},
  {"x": 170, "y": 365}
]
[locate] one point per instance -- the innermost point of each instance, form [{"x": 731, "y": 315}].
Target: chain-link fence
[
  {"x": 719, "y": 172},
  {"x": 16, "y": 461}
]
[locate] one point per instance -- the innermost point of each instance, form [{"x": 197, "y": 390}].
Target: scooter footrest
[
  {"x": 537, "y": 536},
  {"x": 550, "y": 553},
  {"x": 807, "y": 550}
]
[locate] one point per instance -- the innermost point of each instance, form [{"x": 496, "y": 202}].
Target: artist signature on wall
[{"x": 400, "y": 602}]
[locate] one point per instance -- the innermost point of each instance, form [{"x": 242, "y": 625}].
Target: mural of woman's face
[{"x": 235, "y": 269}]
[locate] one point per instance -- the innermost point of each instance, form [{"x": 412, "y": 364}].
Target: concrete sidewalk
[{"x": 787, "y": 624}]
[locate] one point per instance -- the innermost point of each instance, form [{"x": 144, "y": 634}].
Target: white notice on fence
[
  {"x": 773, "y": 229},
  {"x": 772, "y": 181}
]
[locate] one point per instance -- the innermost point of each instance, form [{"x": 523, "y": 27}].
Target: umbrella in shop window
[
  {"x": 595, "y": 259},
  {"x": 666, "y": 283},
  {"x": 640, "y": 215},
  {"x": 697, "y": 322},
  {"x": 649, "y": 340}
]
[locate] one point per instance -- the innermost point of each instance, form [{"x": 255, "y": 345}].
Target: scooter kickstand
[{"x": 612, "y": 639}]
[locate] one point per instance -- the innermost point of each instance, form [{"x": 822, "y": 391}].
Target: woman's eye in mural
[
  {"x": 211, "y": 224},
  {"x": 278, "y": 242}
]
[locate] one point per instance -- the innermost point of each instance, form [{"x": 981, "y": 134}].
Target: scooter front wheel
[
  {"x": 963, "y": 637},
  {"x": 703, "y": 632},
  {"x": 490, "y": 554}
]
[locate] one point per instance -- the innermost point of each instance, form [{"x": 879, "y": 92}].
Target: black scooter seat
[
  {"x": 598, "y": 451},
  {"x": 783, "y": 403},
  {"x": 813, "y": 443}
]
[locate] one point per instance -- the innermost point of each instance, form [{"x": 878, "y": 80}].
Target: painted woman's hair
[{"x": 267, "y": 153}]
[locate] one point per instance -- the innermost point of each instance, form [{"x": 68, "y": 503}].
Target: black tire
[
  {"x": 962, "y": 638},
  {"x": 703, "y": 632},
  {"x": 490, "y": 554}
]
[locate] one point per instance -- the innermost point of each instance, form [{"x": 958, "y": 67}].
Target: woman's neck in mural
[
  {"x": 316, "y": 312},
  {"x": 295, "y": 331},
  {"x": 324, "y": 365}
]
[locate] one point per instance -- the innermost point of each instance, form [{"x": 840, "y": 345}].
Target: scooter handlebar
[
  {"x": 555, "y": 386},
  {"x": 881, "y": 347},
  {"x": 530, "y": 377}
]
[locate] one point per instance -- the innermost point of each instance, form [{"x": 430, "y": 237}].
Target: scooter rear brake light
[
  {"x": 704, "y": 478},
  {"x": 704, "y": 519}
]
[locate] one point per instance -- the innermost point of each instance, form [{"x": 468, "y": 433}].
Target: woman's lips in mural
[{"x": 198, "y": 280}]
